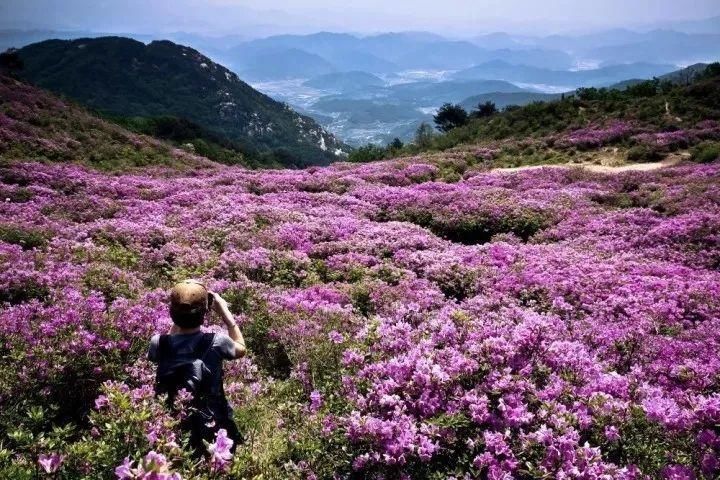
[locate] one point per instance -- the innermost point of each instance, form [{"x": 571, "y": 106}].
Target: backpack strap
[
  {"x": 203, "y": 345},
  {"x": 164, "y": 347},
  {"x": 199, "y": 351}
]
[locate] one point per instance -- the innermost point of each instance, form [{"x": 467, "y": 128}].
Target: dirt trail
[{"x": 639, "y": 167}]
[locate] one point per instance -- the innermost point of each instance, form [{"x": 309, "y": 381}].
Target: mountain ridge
[
  {"x": 499, "y": 69},
  {"x": 124, "y": 77}
]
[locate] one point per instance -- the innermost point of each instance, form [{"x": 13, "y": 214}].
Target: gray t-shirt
[{"x": 181, "y": 347}]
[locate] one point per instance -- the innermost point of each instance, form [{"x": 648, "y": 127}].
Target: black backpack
[
  {"x": 191, "y": 375},
  {"x": 203, "y": 421}
]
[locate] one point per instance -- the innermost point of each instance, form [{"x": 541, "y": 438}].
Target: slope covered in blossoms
[
  {"x": 36, "y": 125},
  {"x": 551, "y": 323}
]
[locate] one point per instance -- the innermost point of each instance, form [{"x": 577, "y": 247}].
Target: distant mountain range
[
  {"x": 622, "y": 45},
  {"x": 400, "y": 51},
  {"x": 375, "y": 54},
  {"x": 282, "y": 64},
  {"x": 661, "y": 46},
  {"x": 604, "y": 76},
  {"x": 361, "y": 88},
  {"x": 123, "y": 77},
  {"x": 678, "y": 43},
  {"x": 684, "y": 76},
  {"x": 421, "y": 71}
]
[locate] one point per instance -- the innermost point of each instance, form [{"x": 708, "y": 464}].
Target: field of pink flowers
[{"x": 550, "y": 323}]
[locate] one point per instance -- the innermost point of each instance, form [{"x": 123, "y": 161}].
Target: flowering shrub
[
  {"x": 596, "y": 136},
  {"x": 550, "y": 323},
  {"x": 672, "y": 140}
]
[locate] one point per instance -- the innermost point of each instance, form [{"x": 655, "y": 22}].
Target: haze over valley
[{"x": 374, "y": 87}]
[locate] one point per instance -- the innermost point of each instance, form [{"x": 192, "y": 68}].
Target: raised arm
[{"x": 220, "y": 306}]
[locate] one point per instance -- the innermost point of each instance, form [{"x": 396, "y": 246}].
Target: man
[{"x": 192, "y": 360}]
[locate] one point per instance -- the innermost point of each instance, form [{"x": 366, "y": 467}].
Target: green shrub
[
  {"x": 17, "y": 195},
  {"x": 479, "y": 228},
  {"x": 368, "y": 153},
  {"x": 706, "y": 152},
  {"x": 109, "y": 281},
  {"x": 269, "y": 353},
  {"x": 27, "y": 238},
  {"x": 643, "y": 153},
  {"x": 24, "y": 291}
]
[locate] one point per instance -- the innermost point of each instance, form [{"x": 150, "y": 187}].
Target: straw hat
[{"x": 189, "y": 297}]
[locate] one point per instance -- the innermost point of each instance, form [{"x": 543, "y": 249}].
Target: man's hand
[{"x": 221, "y": 307}]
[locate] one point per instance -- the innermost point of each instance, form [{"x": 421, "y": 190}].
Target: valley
[{"x": 374, "y": 89}]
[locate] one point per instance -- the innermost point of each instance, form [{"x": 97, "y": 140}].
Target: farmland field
[{"x": 548, "y": 323}]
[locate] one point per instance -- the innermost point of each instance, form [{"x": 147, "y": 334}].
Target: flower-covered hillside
[
  {"x": 551, "y": 323},
  {"x": 644, "y": 122},
  {"x": 36, "y": 125}
]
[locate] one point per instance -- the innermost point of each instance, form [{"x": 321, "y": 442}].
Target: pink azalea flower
[
  {"x": 220, "y": 451},
  {"x": 50, "y": 463}
]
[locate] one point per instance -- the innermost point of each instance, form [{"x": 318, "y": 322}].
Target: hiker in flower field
[{"x": 190, "y": 359}]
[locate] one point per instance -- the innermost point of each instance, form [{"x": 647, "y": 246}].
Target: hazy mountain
[
  {"x": 684, "y": 76},
  {"x": 357, "y": 60},
  {"x": 321, "y": 44},
  {"x": 392, "y": 52},
  {"x": 440, "y": 56},
  {"x": 503, "y": 41},
  {"x": 624, "y": 46},
  {"x": 676, "y": 42},
  {"x": 366, "y": 111},
  {"x": 533, "y": 57},
  {"x": 533, "y": 75},
  {"x": 457, "y": 55},
  {"x": 707, "y": 25},
  {"x": 215, "y": 47},
  {"x": 437, "y": 93},
  {"x": 661, "y": 46},
  {"x": 20, "y": 38},
  {"x": 345, "y": 52},
  {"x": 502, "y": 100},
  {"x": 345, "y": 81},
  {"x": 279, "y": 64},
  {"x": 578, "y": 43},
  {"x": 120, "y": 76},
  {"x": 396, "y": 45}
]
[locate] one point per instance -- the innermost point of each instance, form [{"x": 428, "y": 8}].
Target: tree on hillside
[
  {"x": 424, "y": 135},
  {"x": 486, "y": 109},
  {"x": 396, "y": 144},
  {"x": 368, "y": 153},
  {"x": 587, "y": 94},
  {"x": 645, "y": 89},
  {"x": 450, "y": 116},
  {"x": 10, "y": 62},
  {"x": 712, "y": 70}
]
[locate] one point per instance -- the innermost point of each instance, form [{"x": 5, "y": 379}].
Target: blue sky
[{"x": 458, "y": 17}]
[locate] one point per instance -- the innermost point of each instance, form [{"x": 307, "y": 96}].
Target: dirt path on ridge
[{"x": 670, "y": 161}]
